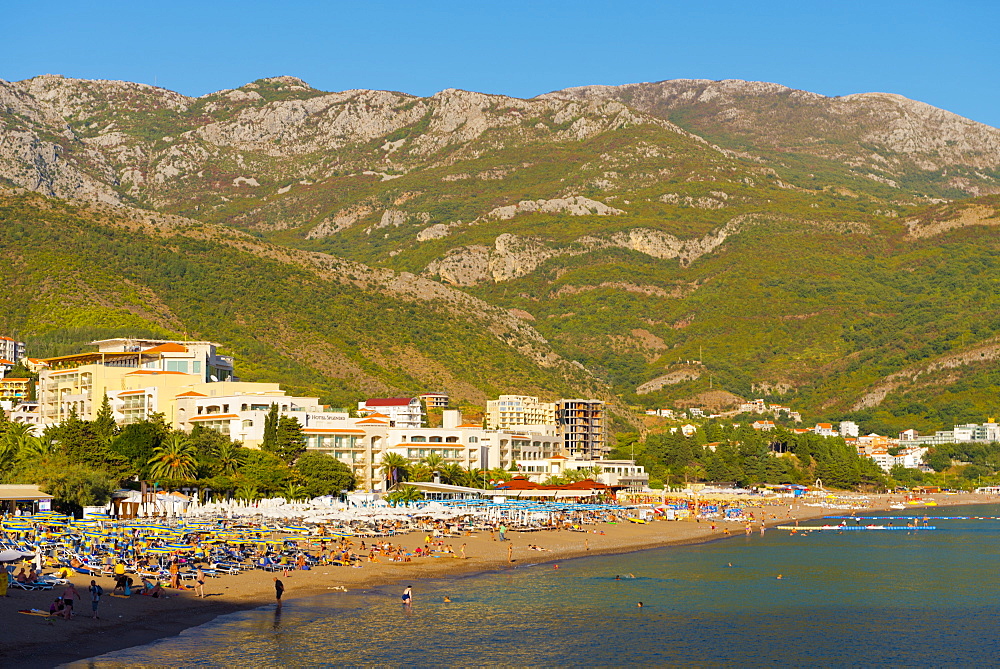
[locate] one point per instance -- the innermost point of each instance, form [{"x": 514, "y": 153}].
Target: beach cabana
[{"x": 11, "y": 495}]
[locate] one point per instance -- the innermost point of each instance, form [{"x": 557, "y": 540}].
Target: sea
[{"x": 857, "y": 598}]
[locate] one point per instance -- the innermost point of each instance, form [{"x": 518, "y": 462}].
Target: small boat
[{"x": 898, "y": 506}]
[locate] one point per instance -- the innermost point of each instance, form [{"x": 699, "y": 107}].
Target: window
[
  {"x": 177, "y": 366},
  {"x": 196, "y": 367},
  {"x": 452, "y": 440},
  {"x": 435, "y": 440},
  {"x": 473, "y": 440},
  {"x": 418, "y": 440}
]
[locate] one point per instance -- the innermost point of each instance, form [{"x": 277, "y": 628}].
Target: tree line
[
  {"x": 82, "y": 462},
  {"x": 724, "y": 452}
]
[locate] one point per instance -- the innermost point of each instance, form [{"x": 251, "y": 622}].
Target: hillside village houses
[{"x": 190, "y": 384}]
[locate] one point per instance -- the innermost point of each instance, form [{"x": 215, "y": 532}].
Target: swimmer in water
[
  {"x": 640, "y": 605},
  {"x": 447, "y": 599},
  {"x": 618, "y": 578},
  {"x": 780, "y": 577}
]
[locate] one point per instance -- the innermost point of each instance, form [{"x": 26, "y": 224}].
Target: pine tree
[
  {"x": 105, "y": 427},
  {"x": 270, "y": 442}
]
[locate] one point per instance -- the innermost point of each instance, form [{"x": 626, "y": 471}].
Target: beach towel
[{"x": 34, "y": 612}]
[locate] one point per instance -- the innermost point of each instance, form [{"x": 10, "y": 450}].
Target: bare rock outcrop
[
  {"x": 573, "y": 206},
  {"x": 971, "y": 215},
  {"x": 668, "y": 379},
  {"x": 341, "y": 220}
]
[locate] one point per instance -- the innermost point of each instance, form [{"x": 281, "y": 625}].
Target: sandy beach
[{"x": 35, "y": 641}]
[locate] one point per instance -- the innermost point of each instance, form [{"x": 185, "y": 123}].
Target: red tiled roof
[
  {"x": 521, "y": 483},
  {"x": 167, "y": 348},
  {"x": 389, "y": 402}
]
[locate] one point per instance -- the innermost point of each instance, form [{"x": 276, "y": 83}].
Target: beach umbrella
[{"x": 180, "y": 547}]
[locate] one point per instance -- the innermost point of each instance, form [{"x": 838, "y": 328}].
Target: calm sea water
[{"x": 858, "y": 599}]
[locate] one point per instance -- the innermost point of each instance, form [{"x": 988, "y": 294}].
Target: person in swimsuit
[
  {"x": 199, "y": 579},
  {"x": 408, "y": 596},
  {"x": 68, "y": 595},
  {"x": 279, "y": 589}
]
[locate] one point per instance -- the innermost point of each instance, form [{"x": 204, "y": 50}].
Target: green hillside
[{"x": 76, "y": 272}]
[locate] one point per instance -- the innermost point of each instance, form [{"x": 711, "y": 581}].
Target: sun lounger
[
  {"x": 17, "y": 585},
  {"x": 226, "y": 568}
]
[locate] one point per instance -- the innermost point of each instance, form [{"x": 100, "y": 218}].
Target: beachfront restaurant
[
  {"x": 24, "y": 496},
  {"x": 442, "y": 491},
  {"x": 521, "y": 488}
]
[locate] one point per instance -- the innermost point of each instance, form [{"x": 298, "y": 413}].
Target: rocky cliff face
[{"x": 884, "y": 135}]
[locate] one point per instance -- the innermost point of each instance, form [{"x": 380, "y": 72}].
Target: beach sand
[{"x": 34, "y": 641}]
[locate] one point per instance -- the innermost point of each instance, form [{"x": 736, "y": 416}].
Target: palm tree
[
  {"x": 420, "y": 472},
  {"x": 247, "y": 493},
  {"x": 176, "y": 458},
  {"x": 434, "y": 461},
  {"x": 474, "y": 477},
  {"x": 295, "y": 492},
  {"x": 452, "y": 474},
  {"x": 35, "y": 448},
  {"x": 15, "y": 441},
  {"x": 394, "y": 468},
  {"x": 229, "y": 457},
  {"x": 406, "y": 495}
]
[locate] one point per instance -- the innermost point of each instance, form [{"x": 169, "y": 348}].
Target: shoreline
[{"x": 33, "y": 641}]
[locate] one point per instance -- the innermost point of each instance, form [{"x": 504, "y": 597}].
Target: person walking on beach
[
  {"x": 96, "y": 592},
  {"x": 199, "y": 580},
  {"x": 69, "y": 594},
  {"x": 463, "y": 552},
  {"x": 503, "y": 533},
  {"x": 510, "y": 554},
  {"x": 408, "y": 596},
  {"x": 279, "y": 589}
]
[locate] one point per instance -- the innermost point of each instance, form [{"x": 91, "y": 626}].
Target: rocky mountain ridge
[
  {"x": 883, "y": 134},
  {"x": 803, "y": 244}
]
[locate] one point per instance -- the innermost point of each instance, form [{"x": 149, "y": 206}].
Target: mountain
[
  {"x": 908, "y": 145},
  {"x": 683, "y": 242}
]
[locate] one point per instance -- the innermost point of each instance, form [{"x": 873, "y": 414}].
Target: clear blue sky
[{"x": 943, "y": 52}]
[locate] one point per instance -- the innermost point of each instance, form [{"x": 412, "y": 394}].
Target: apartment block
[
  {"x": 401, "y": 411},
  {"x": 512, "y": 412},
  {"x": 435, "y": 400},
  {"x": 581, "y": 426},
  {"x": 13, "y": 391},
  {"x": 138, "y": 376},
  {"x": 11, "y": 350}
]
